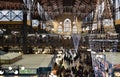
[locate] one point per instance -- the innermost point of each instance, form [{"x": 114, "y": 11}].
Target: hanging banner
[
  {"x": 40, "y": 10},
  {"x": 25, "y": 2},
  {"x": 46, "y": 16},
  {"x": 76, "y": 39},
  {"x": 28, "y": 3}
]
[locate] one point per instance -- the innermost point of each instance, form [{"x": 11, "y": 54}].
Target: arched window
[
  {"x": 67, "y": 25},
  {"x": 74, "y": 29},
  {"x": 59, "y": 28}
]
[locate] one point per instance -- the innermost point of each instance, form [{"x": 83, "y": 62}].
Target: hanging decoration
[
  {"x": 28, "y": 3},
  {"x": 40, "y": 10},
  {"x": 44, "y": 26},
  {"x": 25, "y": 2},
  {"x": 46, "y": 16},
  {"x": 76, "y": 39}
]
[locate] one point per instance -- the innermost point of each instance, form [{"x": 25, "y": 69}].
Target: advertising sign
[{"x": 27, "y": 71}]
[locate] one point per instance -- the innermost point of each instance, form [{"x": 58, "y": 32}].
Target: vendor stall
[
  {"x": 113, "y": 59},
  {"x": 106, "y": 64}
]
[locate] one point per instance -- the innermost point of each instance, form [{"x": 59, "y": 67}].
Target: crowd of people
[{"x": 76, "y": 64}]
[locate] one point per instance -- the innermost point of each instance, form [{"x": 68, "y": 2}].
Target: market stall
[
  {"x": 106, "y": 64},
  {"x": 114, "y": 63}
]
